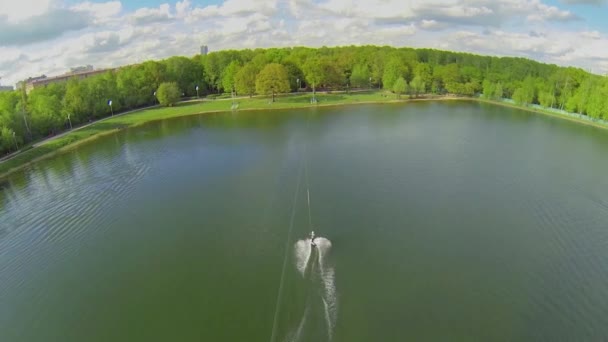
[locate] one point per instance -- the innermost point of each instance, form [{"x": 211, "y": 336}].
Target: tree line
[{"x": 49, "y": 110}]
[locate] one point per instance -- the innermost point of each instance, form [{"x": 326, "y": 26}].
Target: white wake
[
  {"x": 302, "y": 253},
  {"x": 326, "y": 275}
]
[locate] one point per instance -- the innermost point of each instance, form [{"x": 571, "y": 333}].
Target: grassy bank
[
  {"x": 544, "y": 112},
  {"x": 65, "y": 142},
  {"x": 51, "y": 147}
]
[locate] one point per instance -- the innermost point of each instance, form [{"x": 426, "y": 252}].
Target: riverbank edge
[
  {"x": 539, "y": 111},
  {"x": 449, "y": 97}
]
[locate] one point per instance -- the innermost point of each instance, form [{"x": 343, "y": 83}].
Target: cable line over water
[{"x": 287, "y": 249}]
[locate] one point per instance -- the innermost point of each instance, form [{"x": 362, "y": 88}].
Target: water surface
[{"x": 439, "y": 221}]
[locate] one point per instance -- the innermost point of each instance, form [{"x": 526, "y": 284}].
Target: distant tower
[{"x": 204, "y": 50}]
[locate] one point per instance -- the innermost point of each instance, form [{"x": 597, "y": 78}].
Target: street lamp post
[
  {"x": 70, "y": 121},
  {"x": 111, "y": 109},
  {"x": 370, "y": 83},
  {"x": 298, "y": 81},
  {"x": 197, "y": 91},
  {"x": 348, "y": 88}
]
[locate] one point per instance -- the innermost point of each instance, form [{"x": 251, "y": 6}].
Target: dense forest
[{"x": 48, "y": 110}]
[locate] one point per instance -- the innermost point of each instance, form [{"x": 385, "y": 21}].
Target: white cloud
[
  {"x": 18, "y": 10},
  {"x": 432, "y": 25},
  {"x": 48, "y": 25},
  {"x": 584, "y": 2},
  {"x": 152, "y": 15},
  {"x": 107, "y": 35},
  {"x": 559, "y": 47},
  {"x": 591, "y": 34}
]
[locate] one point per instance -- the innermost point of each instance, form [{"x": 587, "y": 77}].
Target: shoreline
[
  {"x": 543, "y": 112},
  {"x": 38, "y": 153}
]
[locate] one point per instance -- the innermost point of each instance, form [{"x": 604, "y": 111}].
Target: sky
[{"x": 50, "y": 36}]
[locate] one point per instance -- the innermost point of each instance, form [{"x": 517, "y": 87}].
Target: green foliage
[
  {"x": 492, "y": 91},
  {"x": 312, "y": 72},
  {"x": 272, "y": 79},
  {"x": 185, "y": 72},
  {"x": 360, "y": 75},
  {"x": 424, "y": 71},
  {"x": 136, "y": 84},
  {"x": 75, "y": 101},
  {"x": 393, "y": 70},
  {"x": 213, "y": 71},
  {"x": 294, "y": 73},
  {"x": 44, "y": 106},
  {"x": 498, "y": 92},
  {"x": 449, "y": 76},
  {"x": 399, "y": 86},
  {"x": 417, "y": 86},
  {"x": 546, "y": 98},
  {"x": 44, "y": 111},
  {"x": 488, "y": 89},
  {"x": 597, "y": 106},
  {"x": 245, "y": 79},
  {"x": 229, "y": 76},
  {"x": 331, "y": 77},
  {"x": 168, "y": 94},
  {"x": 7, "y": 142}
]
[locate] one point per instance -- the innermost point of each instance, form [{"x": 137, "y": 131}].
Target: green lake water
[{"x": 436, "y": 222}]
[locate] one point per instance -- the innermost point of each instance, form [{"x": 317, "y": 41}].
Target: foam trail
[
  {"x": 302, "y": 253},
  {"x": 315, "y": 269},
  {"x": 328, "y": 319},
  {"x": 296, "y": 337},
  {"x": 330, "y": 300}
]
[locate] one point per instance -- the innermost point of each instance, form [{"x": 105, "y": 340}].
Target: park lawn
[{"x": 114, "y": 124}]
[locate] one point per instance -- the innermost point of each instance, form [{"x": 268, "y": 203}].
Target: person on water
[{"x": 312, "y": 238}]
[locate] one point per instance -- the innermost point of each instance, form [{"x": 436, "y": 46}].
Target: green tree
[
  {"x": 580, "y": 101},
  {"x": 399, "y": 86},
  {"x": 7, "y": 143},
  {"x": 154, "y": 73},
  {"x": 185, "y": 72},
  {"x": 168, "y": 94},
  {"x": 229, "y": 76},
  {"x": 520, "y": 96},
  {"x": 272, "y": 79},
  {"x": 294, "y": 73},
  {"x": 546, "y": 98},
  {"x": 392, "y": 71},
  {"x": 597, "y": 106},
  {"x": 417, "y": 85},
  {"x": 213, "y": 71},
  {"x": 529, "y": 89},
  {"x": 424, "y": 71},
  {"x": 377, "y": 65},
  {"x": 449, "y": 75},
  {"x": 75, "y": 103},
  {"x": 44, "y": 106},
  {"x": 245, "y": 79},
  {"x": 489, "y": 89},
  {"x": 498, "y": 92},
  {"x": 313, "y": 74},
  {"x": 360, "y": 76},
  {"x": 331, "y": 77},
  {"x": 102, "y": 88}
]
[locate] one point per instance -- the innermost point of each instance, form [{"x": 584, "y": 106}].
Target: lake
[{"x": 435, "y": 221}]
